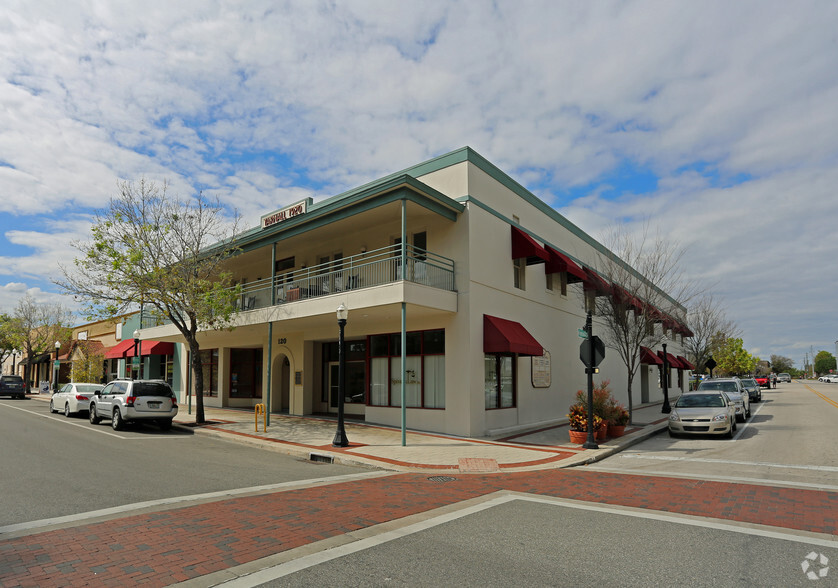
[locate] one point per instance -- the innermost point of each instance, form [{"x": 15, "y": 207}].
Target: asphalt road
[
  {"x": 790, "y": 439},
  {"x": 54, "y": 466}
]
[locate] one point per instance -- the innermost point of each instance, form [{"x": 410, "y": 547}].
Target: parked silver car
[
  {"x": 73, "y": 398},
  {"x": 124, "y": 401},
  {"x": 734, "y": 390},
  {"x": 703, "y": 413}
]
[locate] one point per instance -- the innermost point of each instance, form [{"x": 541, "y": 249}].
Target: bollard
[{"x": 260, "y": 409}]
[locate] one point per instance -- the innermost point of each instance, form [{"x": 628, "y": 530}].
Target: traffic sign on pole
[{"x": 598, "y": 352}]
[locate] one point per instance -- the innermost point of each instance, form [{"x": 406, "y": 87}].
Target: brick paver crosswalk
[{"x": 162, "y": 548}]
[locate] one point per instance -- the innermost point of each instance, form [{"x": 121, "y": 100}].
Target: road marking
[
  {"x": 221, "y": 494},
  {"x": 91, "y": 427},
  {"x": 279, "y": 571},
  {"x": 823, "y": 397},
  {"x": 628, "y": 455},
  {"x": 747, "y": 423},
  {"x": 716, "y": 478}
]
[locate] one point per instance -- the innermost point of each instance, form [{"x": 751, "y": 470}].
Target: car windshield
[
  {"x": 88, "y": 388},
  {"x": 749, "y": 382},
  {"x": 15, "y": 379},
  {"x": 700, "y": 400},
  {"x": 725, "y": 386},
  {"x": 151, "y": 389}
]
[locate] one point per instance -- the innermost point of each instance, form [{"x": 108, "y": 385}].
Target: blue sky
[{"x": 715, "y": 122}]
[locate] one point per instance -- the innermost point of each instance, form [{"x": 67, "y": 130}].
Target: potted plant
[
  {"x": 618, "y": 418},
  {"x": 578, "y": 420},
  {"x": 601, "y": 402}
]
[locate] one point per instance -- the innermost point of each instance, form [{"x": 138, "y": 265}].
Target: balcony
[{"x": 373, "y": 268}]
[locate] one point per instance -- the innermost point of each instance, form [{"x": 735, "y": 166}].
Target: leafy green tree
[
  {"x": 824, "y": 363},
  {"x": 733, "y": 359},
  {"x": 88, "y": 364},
  {"x": 7, "y": 343},
  {"x": 781, "y": 364},
  {"x": 161, "y": 251},
  {"x": 35, "y": 327}
]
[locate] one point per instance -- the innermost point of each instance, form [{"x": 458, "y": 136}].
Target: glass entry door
[{"x": 355, "y": 385}]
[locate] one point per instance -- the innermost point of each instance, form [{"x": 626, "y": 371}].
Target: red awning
[
  {"x": 670, "y": 360},
  {"x": 648, "y": 356},
  {"x": 593, "y": 282},
  {"x": 125, "y": 348},
  {"x": 525, "y": 246},
  {"x": 503, "y": 336},
  {"x": 559, "y": 262},
  {"x": 686, "y": 363}
]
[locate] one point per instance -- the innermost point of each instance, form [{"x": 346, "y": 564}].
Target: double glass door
[{"x": 355, "y": 384}]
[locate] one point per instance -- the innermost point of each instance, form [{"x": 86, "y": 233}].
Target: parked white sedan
[{"x": 73, "y": 398}]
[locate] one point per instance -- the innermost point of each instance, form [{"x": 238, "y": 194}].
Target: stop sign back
[{"x": 585, "y": 352}]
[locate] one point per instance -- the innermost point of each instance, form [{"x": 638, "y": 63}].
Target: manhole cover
[{"x": 441, "y": 479}]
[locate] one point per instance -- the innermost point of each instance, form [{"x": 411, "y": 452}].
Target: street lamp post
[
  {"x": 55, "y": 368},
  {"x": 666, "y": 408},
  {"x": 14, "y": 357},
  {"x": 138, "y": 354},
  {"x": 340, "y": 439}
]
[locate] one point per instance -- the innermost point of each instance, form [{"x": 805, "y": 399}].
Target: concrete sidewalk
[{"x": 380, "y": 446}]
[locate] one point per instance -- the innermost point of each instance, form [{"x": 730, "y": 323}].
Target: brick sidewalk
[{"x": 162, "y": 548}]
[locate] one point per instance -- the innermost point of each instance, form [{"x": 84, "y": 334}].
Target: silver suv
[
  {"x": 124, "y": 401},
  {"x": 734, "y": 390}
]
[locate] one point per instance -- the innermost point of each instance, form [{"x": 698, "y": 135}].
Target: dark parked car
[{"x": 12, "y": 386}]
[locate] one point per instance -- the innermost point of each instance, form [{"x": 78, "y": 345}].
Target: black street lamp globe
[{"x": 340, "y": 439}]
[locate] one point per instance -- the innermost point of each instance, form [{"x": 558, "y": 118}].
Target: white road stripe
[
  {"x": 766, "y": 464},
  {"x": 285, "y": 569},
  {"x": 128, "y": 508}
]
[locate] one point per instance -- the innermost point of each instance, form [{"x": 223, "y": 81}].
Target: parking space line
[
  {"x": 747, "y": 423},
  {"x": 87, "y": 427}
]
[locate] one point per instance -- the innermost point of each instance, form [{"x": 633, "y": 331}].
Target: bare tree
[
  {"x": 709, "y": 325},
  {"x": 35, "y": 327},
  {"x": 153, "y": 249},
  {"x": 644, "y": 286}
]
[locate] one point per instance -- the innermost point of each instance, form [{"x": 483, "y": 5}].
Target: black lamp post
[
  {"x": 55, "y": 382},
  {"x": 590, "y": 443},
  {"x": 138, "y": 353},
  {"x": 14, "y": 357},
  {"x": 340, "y": 439},
  {"x": 666, "y": 408}
]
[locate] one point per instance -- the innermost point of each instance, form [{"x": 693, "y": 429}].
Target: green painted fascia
[{"x": 374, "y": 195}]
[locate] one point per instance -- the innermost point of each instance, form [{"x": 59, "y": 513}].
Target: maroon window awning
[
  {"x": 686, "y": 363},
  {"x": 594, "y": 282},
  {"x": 670, "y": 360},
  {"x": 559, "y": 262},
  {"x": 126, "y": 348},
  {"x": 505, "y": 336},
  {"x": 648, "y": 356},
  {"x": 525, "y": 246}
]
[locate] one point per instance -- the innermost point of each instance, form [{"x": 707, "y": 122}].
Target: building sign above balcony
[{"x": 284, "y": 214}]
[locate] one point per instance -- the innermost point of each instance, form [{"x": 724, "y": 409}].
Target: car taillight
[
  {"x": 130, "y": 401},
  {"x": 80, "y": 397},
  {"x": 174, "y": 402}
]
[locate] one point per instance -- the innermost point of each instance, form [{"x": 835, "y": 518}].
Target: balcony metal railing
[{"x": 373, "y": 268}]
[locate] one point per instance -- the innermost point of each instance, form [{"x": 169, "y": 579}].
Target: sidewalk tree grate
[{"x": 442, "y": 479}]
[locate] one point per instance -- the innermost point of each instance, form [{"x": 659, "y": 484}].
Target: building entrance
[{"x": 356, "y": 376}]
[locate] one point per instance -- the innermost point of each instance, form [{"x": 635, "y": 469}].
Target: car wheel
[
  {"x": 166, "y": 424},
  {"x": 94, "y": 418},
  {"x": 729, "y": 434},
  {"x": 733, "y": 427},
  {"x": 51, "y": 407},
  {"x": 116, "y": 422},
  {"x": 67, "y": 410}
]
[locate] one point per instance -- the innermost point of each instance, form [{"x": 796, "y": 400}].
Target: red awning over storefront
[
  {"x": 648, "y": 356},
  {"x": 126, "y": 348},
  {"x": 525, "y": 246},
  {"x": 670, "y": 360},
  {"x": 559, "y": 262},
  {"x": 686, "y": 363},
  {"x": 504, "y": 336},
  {"x": 594, "y": 282}
]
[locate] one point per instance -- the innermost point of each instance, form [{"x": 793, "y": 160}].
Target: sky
[{"x": 712, "y": 122}]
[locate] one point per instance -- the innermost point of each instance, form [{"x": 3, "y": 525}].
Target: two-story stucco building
[{"x": 451, "y": 267}]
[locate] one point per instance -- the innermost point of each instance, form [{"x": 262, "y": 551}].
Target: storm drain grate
[
  {"x": 321, "y": 458},
  {"x": 442, "y": 479}
]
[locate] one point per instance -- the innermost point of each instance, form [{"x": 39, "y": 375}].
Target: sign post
[{"x": 591, "y": 352}]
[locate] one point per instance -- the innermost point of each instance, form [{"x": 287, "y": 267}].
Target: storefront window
[
  {"x": 424, "y": 369},
  {"x": 245, "y": 373},
  {"x": 499, "y": 378},
  {"x": 209, "y": 364}
]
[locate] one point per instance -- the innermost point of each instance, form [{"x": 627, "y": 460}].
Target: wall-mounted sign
[
  {"x": 541, "y": 370},
  {"x": 284, "y": 214}
]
